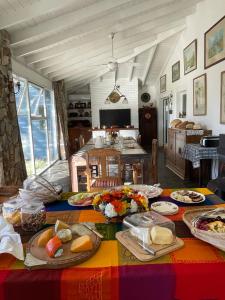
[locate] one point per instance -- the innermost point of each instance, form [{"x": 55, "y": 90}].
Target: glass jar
[
  {"x": 11, "y": 211},
  {"x": 33, "y": 216}
]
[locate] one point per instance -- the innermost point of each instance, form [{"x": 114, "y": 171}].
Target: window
[{"x": 37, "y": 122}]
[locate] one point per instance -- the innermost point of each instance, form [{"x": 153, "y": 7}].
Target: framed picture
[
  {"x": 200, "y": 95},
  {"x": 222, "y": 99},
  {"x": 163, "y": 84},
  {"x": 190, "y": 57},
  {"x": 176, "y": 71},
  {"x": 214, "y": 50}
]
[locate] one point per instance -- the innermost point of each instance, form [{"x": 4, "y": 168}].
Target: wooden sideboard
[{"x": 177, "y": 139}]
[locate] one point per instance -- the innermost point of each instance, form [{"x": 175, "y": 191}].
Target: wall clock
[{"x": 145, "y": 97}]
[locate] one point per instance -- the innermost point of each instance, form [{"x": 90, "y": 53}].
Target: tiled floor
[{"x": 59, "y": 173}]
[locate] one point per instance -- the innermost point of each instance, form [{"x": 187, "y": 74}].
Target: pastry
[
  {"x": 65, "y": 235},
  {"x": 175, "y": 122},
  {"x": 45, "y": 237},
  {"x": 83, "y": 243}
]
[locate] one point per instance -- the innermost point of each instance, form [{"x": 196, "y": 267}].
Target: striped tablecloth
[
  {"x": 194, "y": 272},
  {"x": 194, "y": 153}
]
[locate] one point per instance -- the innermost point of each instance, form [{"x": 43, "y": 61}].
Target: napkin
[{"x": 10, "y": 241}]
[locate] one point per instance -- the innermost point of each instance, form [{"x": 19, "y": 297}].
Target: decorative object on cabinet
[
  {"x": 190, "y": 57},
  {"x": 145, "y": 97},
  {"x": 163, "y": 83},
  {"x": 177, "y": 139},
  {"x": 214, "y": 46},
  {"x": 147, "y": 124},
  {"x": 222, "y": 99},
  {"x": 176, "y": 71},
  {"x": 200, "y": 95}
]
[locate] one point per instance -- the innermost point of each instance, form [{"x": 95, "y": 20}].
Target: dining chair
[{"x": 104, "y": 169}]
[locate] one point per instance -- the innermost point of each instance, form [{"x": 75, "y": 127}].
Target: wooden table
[{"x": 128, "y": 156}]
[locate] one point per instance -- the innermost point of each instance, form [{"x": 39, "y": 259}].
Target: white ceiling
[{"x": 69, "y": 39}]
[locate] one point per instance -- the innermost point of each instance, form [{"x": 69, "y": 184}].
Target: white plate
[
  {"x": 72, "y": 199},
  {"x": 174, "y": 197},
  {"x": 149, "y": 191},
  {"x": 165, "y": 207}
]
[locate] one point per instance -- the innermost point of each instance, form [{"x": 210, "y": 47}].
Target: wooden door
[
  {"x": 180, "y": 142},
  {"x": 171, "y": 146},
  {"x": 147, "y": 125}
]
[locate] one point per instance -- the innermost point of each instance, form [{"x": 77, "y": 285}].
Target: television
[{"x": 119, "y": 117}]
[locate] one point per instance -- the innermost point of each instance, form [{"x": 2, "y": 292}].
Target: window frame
[{"x": 35, "y": 118}]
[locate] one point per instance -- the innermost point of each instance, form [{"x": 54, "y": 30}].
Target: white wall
[
  {"x": 207, "y": 14},
  {"x": 100, "y": 91},
  {"x": 23, "y": 71}
]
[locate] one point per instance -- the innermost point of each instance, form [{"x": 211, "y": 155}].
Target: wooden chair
[
  {"x": 81, "y": 141},
  {"x": 138, "y": 168},
  {"x": 154, "y": 161},
  {"x": 103, "y": 169}
]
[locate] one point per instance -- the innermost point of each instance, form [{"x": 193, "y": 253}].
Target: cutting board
[
  {"x": 124, "y": 237},
  {"x": 37, "y": 257}
]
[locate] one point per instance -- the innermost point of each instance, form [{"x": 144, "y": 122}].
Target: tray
[
  {"x": 37, "y": 257},
  {"x": 125, "y": 239}
]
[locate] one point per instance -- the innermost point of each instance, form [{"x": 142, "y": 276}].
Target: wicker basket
[{"x": 213, "y": 238}]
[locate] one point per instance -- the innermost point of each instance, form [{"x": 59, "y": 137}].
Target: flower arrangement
[{"x": 120, "y": 202}]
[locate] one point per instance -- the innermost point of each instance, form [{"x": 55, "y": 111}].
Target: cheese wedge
[
  {"x": 83, "y": 243},
  {"x": 161, "y": 235},
  {"x": 65, "y": 235},
  {"x": 60, "y": 225},
  {"x": 45, "y": 237}
]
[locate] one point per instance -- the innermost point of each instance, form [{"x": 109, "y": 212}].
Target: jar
[
  {"x": 11, "y": 211},
  {"x": 33, "y": 216}
]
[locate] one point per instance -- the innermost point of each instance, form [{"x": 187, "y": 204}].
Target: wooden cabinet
[
  {"x": 177, "y": 139},
  {"x": 147, "y": 125}
]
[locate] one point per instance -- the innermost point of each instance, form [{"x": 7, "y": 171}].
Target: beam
[
  {"x": 151, "y": 55},
  {"x": 66, "y": 20},
  {"x": 105, "y": 21},
  {"x": 149, "y": 26},
  {"x": 29, "y": 11},
  {"x": 131, "y": 71}
]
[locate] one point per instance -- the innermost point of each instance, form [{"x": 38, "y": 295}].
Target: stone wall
[{"x": 12, "y": 164}]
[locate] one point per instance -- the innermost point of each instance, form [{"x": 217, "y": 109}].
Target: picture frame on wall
[
  {"x": 190, "y": 57},
  {"x": 222, "y": 99},
  {"x": 163, "y": 83},
  {"x": 200, "y": 95},
  {"x": 176, "y": 71},
  {"x": 214, "y": 44}
]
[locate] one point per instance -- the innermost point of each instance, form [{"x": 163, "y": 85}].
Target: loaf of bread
[
  {"x": 197, "y": 127},
  {"x": 182, "y": 125},
  {"x": 190, "y": 125},
  {"x": 175, "y": 122}
]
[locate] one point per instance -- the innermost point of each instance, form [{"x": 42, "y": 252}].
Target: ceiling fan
[{"x": 112, "y": 65}]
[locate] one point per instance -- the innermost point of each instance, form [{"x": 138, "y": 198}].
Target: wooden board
[
  {"x": 67, "y": 259},
  {"x": 125, "y": 239}
]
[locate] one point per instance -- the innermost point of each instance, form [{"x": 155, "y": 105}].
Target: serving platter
[
  {"x": 177, "y": 196},
  {"x": 81, "y": 199},
  {"x": 37, "y": 258},
  {"x": 124, "y": 237},
  {"x": 150, "y": 191}
]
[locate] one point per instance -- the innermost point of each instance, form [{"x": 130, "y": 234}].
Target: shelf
[
  {"x": 71, "y": 109},
  {"x": 79, "y": 118}
]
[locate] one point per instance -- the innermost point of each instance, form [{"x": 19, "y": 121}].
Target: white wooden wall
[{"x": 101, "y": 89}]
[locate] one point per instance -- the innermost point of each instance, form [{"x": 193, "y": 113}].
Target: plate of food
[
  {"x": 212, "y": 221},
  {"x": 165, "y": 208},
  {"x": 188, "y": 197},
  {"x": 81, "y": 199},
  {"x": 61, "y": 246},
  {"x": 150, "y": 191}
]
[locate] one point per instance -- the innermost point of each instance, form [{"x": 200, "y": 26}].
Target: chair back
[
  {"x": 103, "y": 168},
  {"x": 154, "y": 161}
]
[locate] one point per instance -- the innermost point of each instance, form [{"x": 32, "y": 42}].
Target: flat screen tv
[{"x": 119, "y": 117}]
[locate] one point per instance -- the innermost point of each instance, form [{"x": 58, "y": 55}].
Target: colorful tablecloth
[{"x": 194, "y": 272}]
